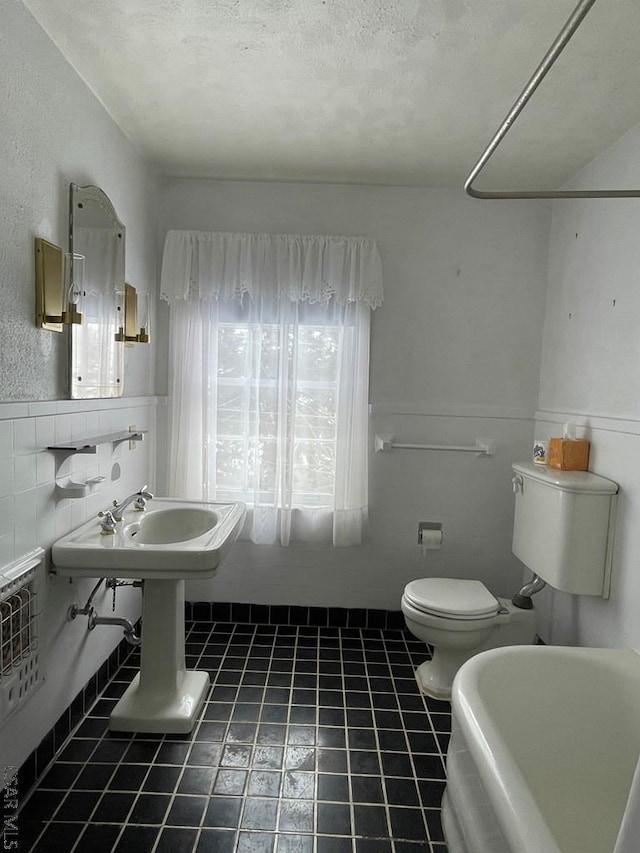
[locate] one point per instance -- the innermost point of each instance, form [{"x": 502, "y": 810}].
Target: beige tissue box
[{"x": 569, "y": 454}]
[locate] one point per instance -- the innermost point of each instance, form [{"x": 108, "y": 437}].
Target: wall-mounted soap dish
[{"x": 67, "y": 488}]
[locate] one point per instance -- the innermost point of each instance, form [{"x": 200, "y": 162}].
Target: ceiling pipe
[{"x": 572, "y": 24}]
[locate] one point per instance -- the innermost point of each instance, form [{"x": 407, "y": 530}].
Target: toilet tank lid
[
  {"x": 452, "y": 595},
  {"x": 567, "y": 481}
]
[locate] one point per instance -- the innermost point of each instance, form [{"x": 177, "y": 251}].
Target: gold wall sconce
[
  {"x": 59, "y": 283},
  {"x": 131, "y": 333},
  {"x": 144, "y": 313},
  {"x": 130, "y": 315}
]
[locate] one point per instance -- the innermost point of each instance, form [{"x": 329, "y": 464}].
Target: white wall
[
  {"x": 591, "y": 373},
  {"x": 53, "y": 131},
  {"x": 455, "y": 353}
]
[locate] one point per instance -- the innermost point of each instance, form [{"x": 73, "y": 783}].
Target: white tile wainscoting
[{"x": 32, "y": 515}]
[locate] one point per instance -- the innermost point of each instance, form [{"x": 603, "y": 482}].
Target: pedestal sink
[{"x": 171, "y": 541}]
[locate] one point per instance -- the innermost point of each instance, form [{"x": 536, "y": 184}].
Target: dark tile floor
[{"x": 313, "y": 740}]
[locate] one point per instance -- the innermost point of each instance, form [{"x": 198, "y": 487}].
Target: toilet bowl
[{"x": 458, "y": 619}]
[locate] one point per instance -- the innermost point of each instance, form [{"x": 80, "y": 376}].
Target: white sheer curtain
[{"x": 269, "y": 367}]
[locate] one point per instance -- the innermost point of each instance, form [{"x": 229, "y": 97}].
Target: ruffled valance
[{"x": 206, "y": 265}]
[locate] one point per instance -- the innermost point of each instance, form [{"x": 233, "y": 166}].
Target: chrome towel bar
[{"x": 482, "y": 447}]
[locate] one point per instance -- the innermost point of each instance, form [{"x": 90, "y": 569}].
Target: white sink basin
[
  {"x": 175, "y": 524},
  {"x": 171, "y": 539}
]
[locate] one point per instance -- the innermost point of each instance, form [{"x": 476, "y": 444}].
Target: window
[
  {"x": 249, "y": 412},
  {"x": 269, "y": 361}
]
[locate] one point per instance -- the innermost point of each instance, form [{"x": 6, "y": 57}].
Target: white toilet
[
  {"x": 459, "y": 618},
  {"x": 562, "y": 532}
]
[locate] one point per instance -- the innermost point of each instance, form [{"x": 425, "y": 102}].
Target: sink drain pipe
[
  {"x": 94, "y": 619},
  {"x": 129, "y": 631}
]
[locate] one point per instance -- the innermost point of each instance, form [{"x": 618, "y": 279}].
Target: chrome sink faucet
[
  {"x": 138, "y": 499},
  {"x": 108, "y": 524}
]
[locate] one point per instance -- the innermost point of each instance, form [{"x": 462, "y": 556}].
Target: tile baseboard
[
  {"x": 315, "y": 617},
  {"x": 37, "y": 762}
]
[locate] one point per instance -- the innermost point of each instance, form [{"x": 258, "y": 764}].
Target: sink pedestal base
[
  {"x": 138, "y": 711},
  {"x": 164, "y": 696}
]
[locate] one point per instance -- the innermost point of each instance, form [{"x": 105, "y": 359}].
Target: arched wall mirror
[{"x": 96, "y": 284}]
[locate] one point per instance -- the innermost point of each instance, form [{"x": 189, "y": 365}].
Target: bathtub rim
[{"x": 521, "y": 821}]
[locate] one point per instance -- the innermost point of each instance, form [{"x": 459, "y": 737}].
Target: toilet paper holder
[{"x": 430, "y": 534}]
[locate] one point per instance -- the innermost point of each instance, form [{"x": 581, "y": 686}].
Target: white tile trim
[
  {"x": 10, "y": 411},
  {"x": 582, "y": 420},
  {"x": 13, "y": 411},
  {"x": 452, "y": 411}
]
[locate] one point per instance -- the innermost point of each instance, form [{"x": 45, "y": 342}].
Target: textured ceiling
[{"x": 357, "y": 91}]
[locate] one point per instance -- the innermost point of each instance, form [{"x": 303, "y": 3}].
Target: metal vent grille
[{"x": 21, "y": 673}]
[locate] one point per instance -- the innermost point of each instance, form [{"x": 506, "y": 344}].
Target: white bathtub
[{"x": 544, "y": 745}]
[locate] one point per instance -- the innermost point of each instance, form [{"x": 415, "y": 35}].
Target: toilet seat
[{"x": 451, "y": 598}]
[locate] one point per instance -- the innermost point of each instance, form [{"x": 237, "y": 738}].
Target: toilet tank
[{"x": 563, "y": 527}]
